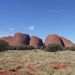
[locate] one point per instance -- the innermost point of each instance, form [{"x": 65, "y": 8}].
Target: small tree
[
  {"x": 53, "y": 47},
  {"x": 3, "y": 45}
]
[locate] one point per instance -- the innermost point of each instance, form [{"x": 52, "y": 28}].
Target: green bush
[
  {"x": 21, "y": 47},
  {"x": 3, "y": 45},
  {"x": 54, "y": 47}
]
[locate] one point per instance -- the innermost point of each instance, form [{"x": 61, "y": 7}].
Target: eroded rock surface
[
  {"x": 35, "y": 41},
  {"x": 53, "y": 39}
]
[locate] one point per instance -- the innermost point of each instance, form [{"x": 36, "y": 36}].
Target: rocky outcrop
[
  {"x": 8, "y": 39},
  {"x": 35, "y": 41},
  {"x": 53, "y": 39},
  {"x": 66, "y": 42},
  {"x": 19, "y": 39}
]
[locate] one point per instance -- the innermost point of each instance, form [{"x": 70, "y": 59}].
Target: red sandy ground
[{"x": 30, "y": 69}]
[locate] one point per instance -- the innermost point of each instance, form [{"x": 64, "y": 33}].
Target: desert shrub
[
  {"x": 21, "y": 47},
  {"x": 12, "y": 47},
  {"x": 38, "y": 47},
  {"x": 28, "y": 47},
  {"x": 3, "y": 45},
  {"x": 43, "y": 47},
  {"x": 72, "y": 48},
  {"x": 66, "y": 48},
  {"x": 53, "y": 47}
]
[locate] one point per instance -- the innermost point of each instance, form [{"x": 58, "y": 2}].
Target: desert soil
[{"x": 37, "y": 62}]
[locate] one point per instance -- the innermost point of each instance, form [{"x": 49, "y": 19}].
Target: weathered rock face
[
  {"x": 67, "y": 43},
  {"x": 19, "y": 39},
  {"x": 53, "y": 39},
  {"x": 35, "y": 41},
  {"x": 8, "y": 39}
]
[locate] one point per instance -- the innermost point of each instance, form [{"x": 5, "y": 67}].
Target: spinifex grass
[{"x": 37, "y": 62}]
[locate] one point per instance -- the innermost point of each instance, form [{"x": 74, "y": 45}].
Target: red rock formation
[
  {"x": 7, "y": 39},
  {"x": 53, "y": 39},
  {"x": 67, "y": 43},
  {"x": 35, "y": 41},
  {"x": 20, "y": 39}
]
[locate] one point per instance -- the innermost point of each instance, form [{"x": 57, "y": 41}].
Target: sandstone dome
[
  {"x": 67, "y": 43},
  {"x": 20, "y": 39},
  {"x": 8, "y": 39},
  {"x": 35, "y": 41},
  {"x": 53, "y": 39}
]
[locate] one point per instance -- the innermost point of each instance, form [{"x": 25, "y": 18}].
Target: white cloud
[{"x": 31, "y": 28}]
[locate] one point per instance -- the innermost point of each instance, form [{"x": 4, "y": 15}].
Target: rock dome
[
  {"x": 53, "y": 39},
  {"x": 35, "y": 41},
  {"x": 67, "y": 43},
  {"x": 20, "y": 39}
]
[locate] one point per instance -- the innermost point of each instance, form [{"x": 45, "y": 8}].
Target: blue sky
[{"x": 38, "y": 17}]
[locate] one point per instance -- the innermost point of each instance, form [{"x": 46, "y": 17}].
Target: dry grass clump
[{"x": 37, "y": 62}]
